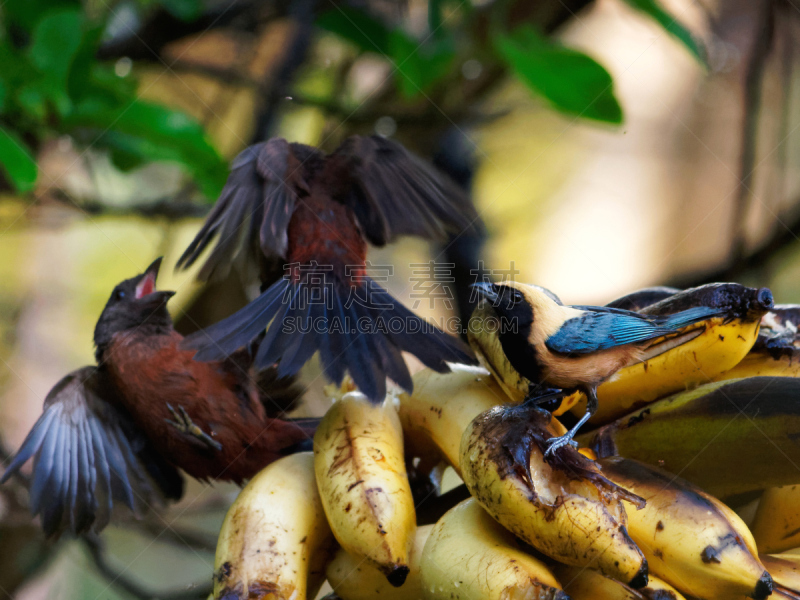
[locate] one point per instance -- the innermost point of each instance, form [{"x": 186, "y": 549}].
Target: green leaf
[
  {"x": 83, "y": 62},
  {"x": 27, "y": 13},
  {"x": 671, "y": 25},
  {"x": 17, "y": 162},
  {"x": 573, "y": 82},
  {"x": 32, "y": 101},
  {"x": 154, "y": 132},
  {"x": 357, "y": 27},
  {"x": 54, "y": 43},
  {"x": 419, "y": 66},
  {"x": 3, "y": 96},
  {"x": 434, "y": 15},
  {"x": 185, "y": 10}
]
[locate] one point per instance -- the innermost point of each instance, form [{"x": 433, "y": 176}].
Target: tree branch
[{"x": 754, "y": 78}]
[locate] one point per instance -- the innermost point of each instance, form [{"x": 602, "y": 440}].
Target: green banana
[{"x": 752, "y": 423}]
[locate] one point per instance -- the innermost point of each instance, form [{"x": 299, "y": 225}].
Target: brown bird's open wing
[
  {"x": 253, "y": 211},
  {"x": 395, "y": 193},
  {"x": 86, "y": 455}
]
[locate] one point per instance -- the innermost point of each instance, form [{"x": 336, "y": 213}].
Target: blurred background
[{"x": 609, "y": 145}]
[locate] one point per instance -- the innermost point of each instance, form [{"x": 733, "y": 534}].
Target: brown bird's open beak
[{"x": 147, "y": 285}]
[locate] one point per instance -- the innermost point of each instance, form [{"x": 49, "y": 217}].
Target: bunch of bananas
[{"x": 711, "y": 412}]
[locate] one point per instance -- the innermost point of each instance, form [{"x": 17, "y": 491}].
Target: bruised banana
[
  {"x": 470, "y": 557},
  {"x": 751, "y": 423},
  {"x": 354, "y": 579},
  {"x": 586, "y": 584},
  {"x": 361, "y": 474},
  {"x": 442, "y": 406},
  {"x": 785, "y": 570},
  {"x": 776, "y": 526},
  {"x": 697, "y": 355},
  {"x": 275, "y": 540},
  {"x": 562, "y": 505},
  {"x": 691, "y": 540}
]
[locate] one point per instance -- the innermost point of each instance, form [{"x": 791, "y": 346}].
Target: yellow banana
[
  {"x": 658, "y": 589},
  {"x": 776, "y": 526},
  {"x": 562, "y": 506},
  {"x": 752, "y": 423},
  {"x": 275, "y": 539},
  {"x": 443, "y": 405},
  {"x": 354, "y": 579},
  {"x": 785, "y": 569},
  {"x": 761, "y": 362},
  {"x": 691, "y": 540},
  {"x": 717, "y": 346},
  {"x": 470, "y": 557},
  {"x": 587, "y": 584},
  {"x": 361, "y": 474}
]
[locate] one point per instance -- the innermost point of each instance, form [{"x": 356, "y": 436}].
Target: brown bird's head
[{"x": 134, "y": 304}]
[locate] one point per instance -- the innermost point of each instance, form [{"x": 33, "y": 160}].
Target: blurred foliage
[
  {"x": 52, "y": 84},
  {"x": 565, "y": 77}
]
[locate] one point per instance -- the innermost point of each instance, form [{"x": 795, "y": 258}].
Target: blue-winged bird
[
  {"x": 567, "y": 347},
  {"x": 312, "y": 214}
]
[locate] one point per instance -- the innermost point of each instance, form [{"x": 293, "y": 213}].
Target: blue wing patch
[{"x": 602, "y": 330}]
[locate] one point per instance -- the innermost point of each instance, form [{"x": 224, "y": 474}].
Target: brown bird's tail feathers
[{"x": 359, "y": 328}]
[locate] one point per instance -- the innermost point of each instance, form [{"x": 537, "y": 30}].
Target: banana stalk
[
  {"x": 562, "y": 506},
  {"x": 470, "y": 557},
  {"x": 752, "y": 423},
  {"x": 361, "y": 474},
  {"x": 275, "y": 539},
  {"x": 354, "y": 579},
  {"x": 691, "y": 540}
]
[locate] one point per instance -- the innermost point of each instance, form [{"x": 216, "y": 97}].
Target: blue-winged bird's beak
[{"x": 487, "y": 290}]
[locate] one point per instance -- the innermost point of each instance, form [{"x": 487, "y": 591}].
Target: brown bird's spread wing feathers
[
  {"x": 86, "y": 456},
  {"x": 253, "y": 210},
  {"x": 395, "y": 193}
]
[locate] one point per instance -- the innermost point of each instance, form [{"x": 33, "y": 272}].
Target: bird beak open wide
[
  {"x": 487, "y": 290},
  {"x": 147, "y": 285}
]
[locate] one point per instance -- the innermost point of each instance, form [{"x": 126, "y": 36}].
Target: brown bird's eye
[{"x": 119, "y": 295}]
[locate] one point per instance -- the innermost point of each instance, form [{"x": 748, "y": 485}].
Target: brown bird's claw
[{"x": 183, "y": 423}]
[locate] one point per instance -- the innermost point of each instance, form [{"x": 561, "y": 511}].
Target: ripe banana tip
[
  {"x": 641, "y": 578},
  {"x": 763, "y": 587},
  {"x": 515, "y": 430},
  {"x": 396, "y": 576}
]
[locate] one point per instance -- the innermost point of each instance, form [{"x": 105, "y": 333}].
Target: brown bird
[
  {"x": 119, "y": 431},
  {"x": 292, "y": 205}
]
